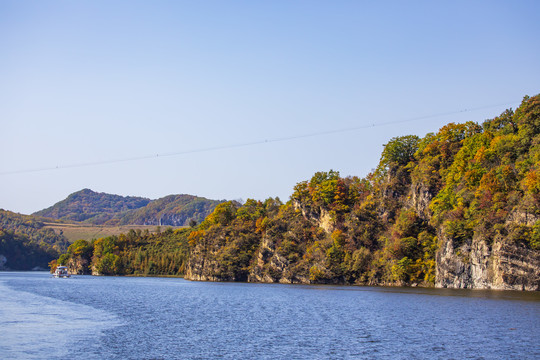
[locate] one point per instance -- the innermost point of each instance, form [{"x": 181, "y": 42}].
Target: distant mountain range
[{"x": 107, "y": 209}]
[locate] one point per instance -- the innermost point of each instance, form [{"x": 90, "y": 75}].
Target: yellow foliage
[
  {"x": 531, "y": 183},
  {"x": 195, "y": 237},
  {"x": 315, "y": 273}
]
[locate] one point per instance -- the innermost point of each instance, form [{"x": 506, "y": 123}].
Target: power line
[{"x": 250, "y": 143}]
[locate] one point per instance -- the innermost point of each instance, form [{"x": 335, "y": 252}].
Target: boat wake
[{"x": 38, "y": 327}]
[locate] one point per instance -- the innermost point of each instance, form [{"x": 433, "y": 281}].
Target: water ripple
[{"x": 176, "y": 319}]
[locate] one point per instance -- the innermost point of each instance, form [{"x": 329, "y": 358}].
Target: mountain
[
  {"x": 92, "y": 207},
  {"x": 173, "y": 210},
  {"x": 101, "y": 208}
]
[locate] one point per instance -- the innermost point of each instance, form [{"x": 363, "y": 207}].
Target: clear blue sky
[{"x": 94, "y": 81}]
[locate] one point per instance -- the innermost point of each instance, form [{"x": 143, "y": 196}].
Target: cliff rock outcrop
[
  {"x": 79, "y": 266},
  {"x": 202, "y": 266},
  {"x": 316, "y": 214},
  {"x": 273, "y": 267},
  {"x": 502, "y": 266}
]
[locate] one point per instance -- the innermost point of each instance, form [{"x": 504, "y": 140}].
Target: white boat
[{"x": 61, "y": 272}]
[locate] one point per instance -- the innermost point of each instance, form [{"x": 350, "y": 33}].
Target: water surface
[{"x": 87, "y": 317}]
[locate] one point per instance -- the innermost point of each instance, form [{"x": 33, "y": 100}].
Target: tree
[
  {"x": 223, "y": 214},
  {"x": 399, "y": 151}
]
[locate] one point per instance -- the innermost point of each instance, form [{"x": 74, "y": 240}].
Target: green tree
[{"x": 399, "y": 151}]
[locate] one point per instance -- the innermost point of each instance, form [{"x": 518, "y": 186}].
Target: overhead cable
[{"x": 250, "y": 143}]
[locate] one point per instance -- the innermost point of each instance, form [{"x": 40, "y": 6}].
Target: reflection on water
[
  {"x": 159, "y": 318},
  {"x": 484, "y": 294}
]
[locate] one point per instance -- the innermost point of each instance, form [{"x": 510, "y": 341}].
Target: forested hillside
[
  {"x": 456, "y": 208},
  {"x": 92, "y": 207},
  {"x": 106, "y": 209},
  {"x": 26, "y": 244},
  {"x": 172, "y": 210}
]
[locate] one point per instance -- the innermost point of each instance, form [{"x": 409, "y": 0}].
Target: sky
[{"x": 241, "y": 99}]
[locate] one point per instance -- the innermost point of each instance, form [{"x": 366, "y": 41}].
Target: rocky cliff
[
  {"x": 203, "y": 266},
  {"x": 271, "y": 266},
  {"x": 78, "y": 265},
  {"x": 476, "y": 265}
]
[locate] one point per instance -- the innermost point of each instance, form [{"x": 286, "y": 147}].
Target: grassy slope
[{"x": 88, "y": 232}]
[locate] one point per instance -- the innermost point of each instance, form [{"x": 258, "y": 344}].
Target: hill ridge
[{"x": 100, "y": 208}]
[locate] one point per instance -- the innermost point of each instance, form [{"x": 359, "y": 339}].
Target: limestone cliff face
[
  {"x": 267, "y": 265},
  {"x": 319, "y": 216},
  {"x": 79, "y": 266},
  {"x": 203, "y": 267},
  {"x": 502, "y": 266},
  {"x": 204, "y": 263},
  {"x": 418, "y": 198},
  {"x": 271, "y": 267},
  {"x": 199, "y": 269}
]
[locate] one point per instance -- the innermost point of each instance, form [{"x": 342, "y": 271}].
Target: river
[{"x": 87, "y": 317}]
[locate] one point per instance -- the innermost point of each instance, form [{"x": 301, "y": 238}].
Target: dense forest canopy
[
  {"x": 135, "y": 253},
  {"x": 465, "y": 182},
  {"x": 26, "y": 244}
]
